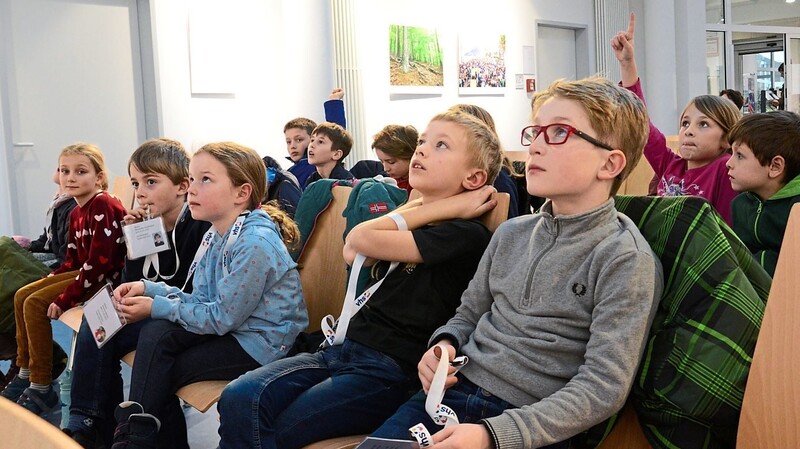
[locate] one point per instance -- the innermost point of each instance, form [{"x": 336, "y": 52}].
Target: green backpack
[{"x": 18, "y": 268}]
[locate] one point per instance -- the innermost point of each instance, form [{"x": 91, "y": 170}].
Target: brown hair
[
  {"x": 734, "y": 95},
  {"x": 165, "y": 156},
  {"x": 301, "y": 123},
  {"x": 721, "y": 110},
  {"x": 244, "y": 166},
  {"x": 397, "y": 141},
  {"x": 482, "y": 142},
  {"x": 95, "y": 157},
  {"x": 616, "y": 114},
  {"x": 340, "y": 138},
  {"x": 771, "y": 134}
]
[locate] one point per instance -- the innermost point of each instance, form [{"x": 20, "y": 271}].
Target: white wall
[{"x": 282, "y": 70}]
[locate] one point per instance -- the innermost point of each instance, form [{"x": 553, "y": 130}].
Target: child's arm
[
  {"x": 380, "y": 238},
  {"x": 656, "y": 151},
  {"x": 106, "y": 251},
  {"x": 334, "y": 108},
  {"x": 257, "y": 264}
]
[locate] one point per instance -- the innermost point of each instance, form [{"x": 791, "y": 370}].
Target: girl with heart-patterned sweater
[{"x": 95, "y": 255}]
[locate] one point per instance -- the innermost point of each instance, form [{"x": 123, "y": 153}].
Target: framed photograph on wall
[
  {"x": 481, "y": 63},
  {"x": 415, "y": 60}
]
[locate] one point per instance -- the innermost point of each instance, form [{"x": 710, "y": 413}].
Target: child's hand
[
  {"x": 622, "y": 42},
  {"x": 336, "y": 94},
  {"x": 53, "y": 312},
  {"x": 135, "y": 215},
  {"x": 430, "y": 361},
  {"x": 473, "y": 203},
  {"x": 22, "y": 241},
  {"x": 129, "y": 289},
  {"x": 463, "y": 436},
  {"x": 135, "y": 308}
]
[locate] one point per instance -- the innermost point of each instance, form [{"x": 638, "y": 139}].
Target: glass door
[{"x": 757, "y": 62}]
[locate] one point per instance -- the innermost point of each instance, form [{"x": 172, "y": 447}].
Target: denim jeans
[
  {"x": 97, "y": 378},
  {"x": 344, "y": 390},
  {"x": 470, "y": 402},
  {"x": 169, "y": 357}
]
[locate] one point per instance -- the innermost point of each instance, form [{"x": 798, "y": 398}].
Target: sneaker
[
  {"x": 6, "y": 378},
  {"x": 39, "y": 403},
  {"x": 88, "y": 439},
  {"x": 135, "y": 429},
  {"x": 15, "y": 388}
]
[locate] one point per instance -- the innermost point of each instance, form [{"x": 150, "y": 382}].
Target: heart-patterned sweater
[{"x": 95, "y": 247}]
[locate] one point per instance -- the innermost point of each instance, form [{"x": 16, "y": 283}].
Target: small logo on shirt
[
  {"x": 377, "y": 208},
  {"x": 579, "y": 289}
]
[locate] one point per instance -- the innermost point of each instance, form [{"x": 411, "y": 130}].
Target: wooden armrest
[
  {"x": 72, "y": 318},
  {"x": 338, "y": 443}
]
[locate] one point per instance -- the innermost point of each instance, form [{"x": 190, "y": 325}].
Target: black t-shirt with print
[{"x": 416, "y": 299}]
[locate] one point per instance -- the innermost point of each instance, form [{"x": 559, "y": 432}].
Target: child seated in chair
[
  {"x": 765, "y": 167},
  {"x": 556, "y": 318},
  {"x": 159, "y": 172},
  {"x": 352, "y": 386},
  {"x": 330, "y": 144}
]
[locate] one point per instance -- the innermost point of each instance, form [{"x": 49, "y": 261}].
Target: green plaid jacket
[{"x": 689, "y": 388}]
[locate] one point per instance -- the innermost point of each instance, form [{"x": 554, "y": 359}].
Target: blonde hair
[
  {"x": 721, "y": 110},
  {"x": 618, "y": 117},
  {"x": 244, "y": 166},
  {"x": 482, "y": 142},
  {"x": 95, "y": 156},
  {"x": 484, "y": 116}
]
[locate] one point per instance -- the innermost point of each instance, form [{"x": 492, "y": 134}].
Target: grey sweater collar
[{"x": 577, "y": 224}]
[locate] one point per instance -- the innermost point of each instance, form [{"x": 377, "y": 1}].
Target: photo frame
[
  {"x": 415, "y": 60},
  {"x": 482, "y": 63}
]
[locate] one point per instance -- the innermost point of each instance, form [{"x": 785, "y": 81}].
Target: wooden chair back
[
  {"x": 21, "y": 428},
  {"x": 638, "y": 181},
  {"x": 323, "y": 271},
  {"x": 770, "y": 416},
  {"x": 123, "y": 189}
]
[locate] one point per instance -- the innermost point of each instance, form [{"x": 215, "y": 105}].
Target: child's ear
[
  {"x": 244, "y": 192},
  {"x": 776, "y": 167},
  {"x": 183, "y": 187},
  {"x": 337, "y": 154},
  {"x": 476, "y": 179},
  {"x": 613, "y": 166}
]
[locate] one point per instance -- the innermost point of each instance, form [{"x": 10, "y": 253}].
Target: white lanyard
[
  {"x": 152, "y": 259},
  {"x": 439, "y": 413},
  {"x": 335, "y": 330},
  {"x": 206, "y": 242}
]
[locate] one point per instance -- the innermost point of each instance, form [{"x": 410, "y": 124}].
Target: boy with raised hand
[
  {"x": 555, "y": 320},
  {"x": 765, "y": 167},
  {"x": 352, "y": 386},
  {"x": 159, "y": 172},
  {"x": 330, "y": 144},
  {"x": 298, "y": 135}
]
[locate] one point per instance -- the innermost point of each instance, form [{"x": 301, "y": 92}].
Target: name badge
[{"x": 145, "y": 238}]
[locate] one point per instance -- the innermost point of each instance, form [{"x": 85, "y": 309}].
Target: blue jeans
[
  {"x": 344, "y": 390},
  {"x": 169, "y": 357},
  {"x": 97, "y": 378},
  {"x": 470, "y": 402}
]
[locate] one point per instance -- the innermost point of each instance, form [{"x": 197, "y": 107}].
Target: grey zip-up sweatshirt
[{"x": 555, "y": 321}]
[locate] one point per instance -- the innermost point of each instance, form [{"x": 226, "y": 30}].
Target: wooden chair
[
  {"x": 123, "y": 189},
  {"x": 638, "y": 181},
  {"x": 770, "y": 416},
  {"x": 22, "y": 429},
  {"x": 491, "y": 220}
]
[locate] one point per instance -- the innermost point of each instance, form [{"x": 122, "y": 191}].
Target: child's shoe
[
  {"x": 15, "y": 388},
  {"x": 39, "y": 403},
  {"x": 84, "y": 431},
  {"x": 135, "y": 429}
]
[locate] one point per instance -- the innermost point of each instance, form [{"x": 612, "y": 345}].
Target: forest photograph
[{"x": 415, "y": 57}]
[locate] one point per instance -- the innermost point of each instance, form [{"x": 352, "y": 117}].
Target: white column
[{"x": 348, "y": 75}]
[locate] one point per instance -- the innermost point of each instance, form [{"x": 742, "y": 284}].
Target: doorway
[
  {"x": 757, "y": 58},
  {"x": 562, "y": 52},
  {"x": 70, "y": 71}
]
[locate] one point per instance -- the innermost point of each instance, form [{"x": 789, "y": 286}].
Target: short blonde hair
[
  {"x": 617, "y": 116},
  {"x": 482, "y": 142},
  {"x": 95, "y": 157}
]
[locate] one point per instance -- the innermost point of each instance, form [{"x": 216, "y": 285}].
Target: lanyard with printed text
[{"x": 208, "y": 237}]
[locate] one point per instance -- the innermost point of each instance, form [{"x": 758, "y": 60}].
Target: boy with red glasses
[{"x": 556, "y": 318}]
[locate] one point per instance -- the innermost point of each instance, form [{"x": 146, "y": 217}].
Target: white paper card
[
  {"x": 146, "y": 237},
  {"x": 102, "y": 316},
  {"x": 386, "y": 443}
]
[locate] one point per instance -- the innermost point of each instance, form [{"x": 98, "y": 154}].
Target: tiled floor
[{"x": 202, "y": 426}]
